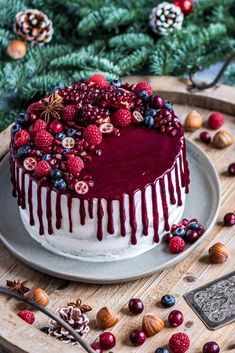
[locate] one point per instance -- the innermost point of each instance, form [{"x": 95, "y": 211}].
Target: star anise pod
[
  {"x": 17, "y": 286},
  {"x": 52, "y": 107},
  {"x": 78, "y": 304}
]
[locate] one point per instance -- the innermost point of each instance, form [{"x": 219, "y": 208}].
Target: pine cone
[
  {"x": 73, "y": 316},
  {"x": 33, "y": 26},
  {"x": 166, "y": 17}
]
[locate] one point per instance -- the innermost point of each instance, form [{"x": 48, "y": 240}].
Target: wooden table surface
[{"x": 17, "y": 336}]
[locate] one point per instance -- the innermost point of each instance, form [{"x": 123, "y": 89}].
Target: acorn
[
  {"x": 222, "y": 139},
  {"x": 16, "y": 49},
  {"x": 39, "y": 296},
  {"x": 193, "y": 121},
  {"x": 152, "y": 324},
  {"x": 218, "y": 253},
  {"x": 105, "y": 318}
]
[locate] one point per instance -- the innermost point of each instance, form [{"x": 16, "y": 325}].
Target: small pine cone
[
  {"x": 73, "y": 316},
  {"x": 165, "y": 17},
  {"x": 33, "y": 26}
]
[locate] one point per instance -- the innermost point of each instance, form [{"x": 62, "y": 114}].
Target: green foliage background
[{"x": 112, "y": 37}]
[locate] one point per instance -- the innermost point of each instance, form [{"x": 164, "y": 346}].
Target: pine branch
[
  {"x": 131, "y": 41},
  {"x": 134, "y": 61}
]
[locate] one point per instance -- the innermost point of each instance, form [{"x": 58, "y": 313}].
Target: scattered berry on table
[
  {"x": 136, "y": 306},
  {"x": 168, "y": 237},
  {"x": 99, "y": 80},
  {"x": 45, "y": 329},
  {"x": 43, "y": 168},
  {"x": 168, "y": 301},
  {"x": 37, "y": 126},
  {"x": 180, "y": 232},
  {"x": 138, "y": 337},
  {"x": 56, "y": 126},
  {"x": 179, "y": 342},
  {"x": 175, "y": 318},
  {"x": 55, "y": 174},
  {"x": 229, "y": 219},
  {"x": 215, "y": 120},
  {"x": 92, "y": 135},
  {"x": 23, "y": 151},
  {"x": 162, "y": 350},
  {"x": 107, "y": 340},
  {"x": 27, "y": 316},
  {"x": 75, "y": 165},
  {"x": 60, "y": 184},
  {"x": 205, "y": 136},
  {"x": 231, "y": 169},
  {"x": 121, "y": 118},
  {"x": 43, "y": 140},
  {"x": 69, "y": 113},
  {"x": 194, "y": 225},
  {"x": 176, "y": 245},
  {"x": 97, "y": 348},
  {"x": 192, "y": 236},
  {"x": 21, "y": 138},
  {"x": 144, "y": 86},
  {"x": 211, "y": 347}
]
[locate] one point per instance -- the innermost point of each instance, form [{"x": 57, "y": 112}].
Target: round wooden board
[{"x": 17, "y": 336}]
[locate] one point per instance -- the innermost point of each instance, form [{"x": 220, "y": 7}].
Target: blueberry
[
  {"x": 71, "y": 132},
  {"x": 151, "y": 112},
  {"x": 116, "y": 83},
  {"x": 161, "y": 350},
  {"x": 144, "y": 96},
  {"x": 168, "y": 301},
  {"x": 46, "y": 157},
  {"x": 66, "y": 150},
  {"x": 180, "y": 232},
  {"x": 23, "y": 151},
  {"x": 193, "y": 225},
  {"x": 60, "y": 184},
  {"x": 149, "y": 121},
  {"x": 22, "y": 119},
  {"x": 16, "y": 127},
  {"x": 60, "y": 136},
  {"x": 55, "y": 174},
  {"x": 168, "y": 105},
  {"x": 45, "y": 329}
]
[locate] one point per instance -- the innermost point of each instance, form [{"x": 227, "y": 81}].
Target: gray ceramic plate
[{"x": 202, "y": 202}]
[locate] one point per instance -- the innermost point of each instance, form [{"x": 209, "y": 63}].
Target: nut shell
[
  {"x": 152, "y": 324},
  {"x": 218, "y": 253},
  {"x": 16, "y": 49},
  {"x": 193, "y": 121},
  {"x": 105, "y": 319},
  {"x": 222, "y": 139},
  {"x": 39, "y": 296}
]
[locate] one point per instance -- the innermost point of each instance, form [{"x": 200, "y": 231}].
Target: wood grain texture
[{"x": 18, "y": 337}]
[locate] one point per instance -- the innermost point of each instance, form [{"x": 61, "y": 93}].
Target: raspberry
[
  {"x": 21, "y": 138},
  {"x": 27, "y": 316},
  {"x": 43, "y": 140},
  {"x": 75, "y": 165},
  {"x": 43, "y": 168},
  {"x": 33, "y": 108},
  {"x": 144, "y": 86},
  {"x": 69, "y": 113},
  {"x": 99, "y": 79},
  {"x": 215, "y": 120},
  {"x": 179, "y": 342},
  {"x": 92, "y": 135},
  {"x": 122, "y": 118},
  {"x": 176, "y": 245},
  {"x": 37, "y": 126}
]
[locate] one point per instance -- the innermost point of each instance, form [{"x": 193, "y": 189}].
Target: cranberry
[
  {"x": 229, "y": 219},
  {"x": 192, "y": 236},
  {"x": 138, "y": 337},
  {"x": 107, "y": 340},
  {"x": 205, "y": 136},
  {"x": 56, "y": 127},
  {"x": 175, "y": 318},
  {"x": 32, "y": 117},
  {"x": 168, "y": 237},
  {"x": 231, "y": 169},
  {"x": 96, "y": 348},
  {"x": 136, "y": 306},
  {"x": 211, "y": 347},
  {"x": 158, "y": 102}
]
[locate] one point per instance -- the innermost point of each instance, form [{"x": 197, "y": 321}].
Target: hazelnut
[
  {"x": 16, "y": 49},
  {"x": 218, "y": 253},
  {"x": 222, "y": 139},
  {"x": 39, "y": 296},
  {"x": 152, "y": 324},
  {"x": 193, "y": 121},
  {"x": 105, "y": 318}
]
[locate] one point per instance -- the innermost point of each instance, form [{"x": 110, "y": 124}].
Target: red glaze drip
[
  {"x": 178, "y": 190},
  {"x": 48, "y": 212},
  {"x": 39, "y": 210},
  {"x": 58, "y": 210},
  {"x": 30, "y": 203},
  {"x": 82, "y": 212},
  {"x": 122, "y": 213},
  {"x": 100, "y": 215},
  {"x": 144, "y": 212},
  {"x": 164, "y": 204},
  {"x": 23, "y": 190},
  {"x": 171, "y": 188},
  {"x": 182, "y": 172},
  {"x": 133, "y": 223},
  {"x": 90, "y": 208},
  {"x": 13, "y": 176},
  {"x": 18, "y": 186},
  {"x": 110, "y": 227},
  {"x": 70, "y": 213},
  {"x": 155, "y": 213}
]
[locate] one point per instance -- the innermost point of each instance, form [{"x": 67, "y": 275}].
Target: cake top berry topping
[{"x": 58, "y": 135}]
